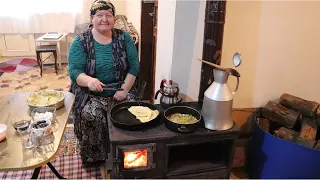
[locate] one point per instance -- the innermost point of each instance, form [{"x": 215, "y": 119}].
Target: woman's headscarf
[{"x": 102, "y": 5}]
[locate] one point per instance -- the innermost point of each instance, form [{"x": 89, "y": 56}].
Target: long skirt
[{"x": 91, "y": 129}]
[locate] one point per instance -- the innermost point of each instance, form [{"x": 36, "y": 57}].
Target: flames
[{"x": 135, "y": 159}]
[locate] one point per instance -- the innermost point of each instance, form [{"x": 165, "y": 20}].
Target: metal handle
[
  {"x": 183, "y": 129},
  {"x": 157, "y": 93},
  {"x": 153, "y": 165},
  {"x": 237, "y": 86},
  {"x": 151, "y": 14},
  {"x": 118, "y": 83},
  {"x": 148, "y": 2},
  {"x": 143, "y": 87},
  {"x": 113, "y": 89},
  {"x": 162, "y": 83}
]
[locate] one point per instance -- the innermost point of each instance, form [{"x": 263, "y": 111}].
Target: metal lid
[{"x": 171, "y": 84}]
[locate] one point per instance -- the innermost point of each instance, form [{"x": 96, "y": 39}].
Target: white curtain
[{"x": 42, "y": 16}]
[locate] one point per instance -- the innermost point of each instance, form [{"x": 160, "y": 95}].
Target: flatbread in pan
[{"x": 143, "y": 113}]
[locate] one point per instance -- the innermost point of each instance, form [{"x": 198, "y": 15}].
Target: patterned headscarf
[{"x": 102, "y": 5}]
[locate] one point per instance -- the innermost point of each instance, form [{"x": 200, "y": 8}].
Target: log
[
  {"x": 304, "y": 142},
  {"x": 307, "y": 108},
  {"x": 309, "y": 128},
  {"x": 308, "y": 131},
  {"x": 280, "y": 114},
  {"x": 286, "y": 134},
  {"x": 317, "y": 146},
  {"x": 292, "y": 136}
]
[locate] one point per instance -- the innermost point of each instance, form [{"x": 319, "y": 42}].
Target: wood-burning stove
[{"x": 161, "y": 153}]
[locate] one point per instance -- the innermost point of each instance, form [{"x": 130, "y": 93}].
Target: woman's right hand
[{"x": 95, "y": 85}]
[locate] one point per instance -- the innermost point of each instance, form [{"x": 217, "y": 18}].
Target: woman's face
[{"x": 103, "y": 21}]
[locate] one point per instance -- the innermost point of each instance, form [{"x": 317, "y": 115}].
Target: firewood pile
[{"x": 294, "y": 119}]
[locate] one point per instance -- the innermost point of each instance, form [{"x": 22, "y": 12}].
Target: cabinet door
[{"x": 17, "y": 45}]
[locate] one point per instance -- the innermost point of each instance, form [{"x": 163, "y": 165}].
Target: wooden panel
[
  {"x": 213, "y": 38},
  {"x": 17, "y": 45},
  {"x": 146, "y": 56},
  {"x": 155, "y": 35}
]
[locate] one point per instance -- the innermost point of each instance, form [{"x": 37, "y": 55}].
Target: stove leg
[
  {"x": 36, "y": 173},
  {"x": 230, "y": 161},
  {"x": 55, "y": 171}
]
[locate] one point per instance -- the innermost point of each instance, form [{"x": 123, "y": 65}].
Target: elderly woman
[{"x": 98, "y": 57}]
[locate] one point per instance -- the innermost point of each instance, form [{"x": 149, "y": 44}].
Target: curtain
[{"x": 42, "y": 16}]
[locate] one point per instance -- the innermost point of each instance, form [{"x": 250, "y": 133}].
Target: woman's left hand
[{"x": 120, "y": 95}]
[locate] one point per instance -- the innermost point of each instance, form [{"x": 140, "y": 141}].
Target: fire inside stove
[{"x": 135, "y": 159}]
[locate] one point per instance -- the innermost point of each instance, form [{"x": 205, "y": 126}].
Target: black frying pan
[
  {"x": 122, "y": 118},
  {"x": 183, "y": 128}
]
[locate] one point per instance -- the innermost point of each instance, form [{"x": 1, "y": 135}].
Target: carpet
[
  {"x": 67, "y": 162},
  {"x": 31, "y": 80},
  {"x": 18, "y": 65}
]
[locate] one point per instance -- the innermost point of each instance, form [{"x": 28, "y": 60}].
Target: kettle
[
  {"x": 218, "y": 98},
  {"x": 170, "y": 93}
]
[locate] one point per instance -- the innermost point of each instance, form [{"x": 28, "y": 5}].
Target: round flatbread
[{"x": 143, "y": 114}]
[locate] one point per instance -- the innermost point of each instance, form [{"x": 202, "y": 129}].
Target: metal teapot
[{"x": 170, "y": 93}]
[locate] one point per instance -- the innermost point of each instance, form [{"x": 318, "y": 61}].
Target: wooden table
[{"x": 16, "y": 158}]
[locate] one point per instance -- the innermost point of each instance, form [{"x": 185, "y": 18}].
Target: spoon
[{"x": 237, "y": 59}]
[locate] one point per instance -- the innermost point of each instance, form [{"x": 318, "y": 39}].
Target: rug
[
  {"x": 31, "y": 80},
  {"x": 68, "y": 145},
  {"x": 18, "y": 65},
  {"x": 67, "y": 163}
]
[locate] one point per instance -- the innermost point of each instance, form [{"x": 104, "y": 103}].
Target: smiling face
[{"x": 103, "y": 21}]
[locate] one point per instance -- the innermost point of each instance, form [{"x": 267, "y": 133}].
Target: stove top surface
[{"x": 160, "y": 131}]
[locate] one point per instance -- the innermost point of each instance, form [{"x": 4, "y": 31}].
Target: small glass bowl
[
  {"x": 42, "y": 132},
  {"x": 43, "y": 110},
  {"x": 20, "y": 122}
]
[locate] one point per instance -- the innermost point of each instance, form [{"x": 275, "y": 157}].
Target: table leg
[
  {"x": 55, "y": 171},
  {"x": 67, "y": 45},
  {"x": 36, "y": 173},
  {"x": 59, "y": 51}
]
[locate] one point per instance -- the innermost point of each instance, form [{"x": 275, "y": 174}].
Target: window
[{"x": 24, "y": 8}]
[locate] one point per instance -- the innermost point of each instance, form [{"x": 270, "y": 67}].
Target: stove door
[{"x": 138, "y": 157}]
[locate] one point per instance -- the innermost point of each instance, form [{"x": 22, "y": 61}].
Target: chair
[{"x": 45, "y": 49}]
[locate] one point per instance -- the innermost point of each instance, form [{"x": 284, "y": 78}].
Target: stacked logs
[{"x": 290, "y": 111}]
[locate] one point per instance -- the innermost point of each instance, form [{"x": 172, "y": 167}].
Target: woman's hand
[
  {"x": 120, "y": 95},
  {"x": 95, "y": 85}
]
